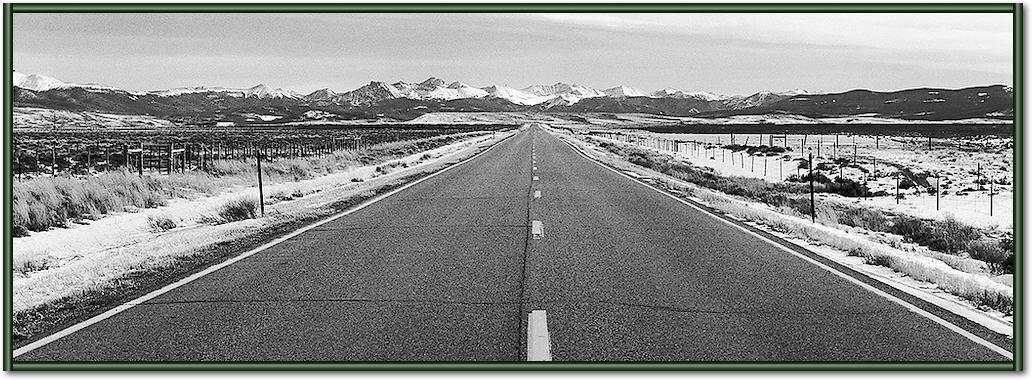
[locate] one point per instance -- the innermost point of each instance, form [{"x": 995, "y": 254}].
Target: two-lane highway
[{"x": 448, "y": 269}]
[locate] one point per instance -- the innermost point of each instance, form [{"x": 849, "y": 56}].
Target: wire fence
[
  {"x": 164, "y": 155},
  {"x": 781, "y": 157}
]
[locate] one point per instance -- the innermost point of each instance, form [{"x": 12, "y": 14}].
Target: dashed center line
[
  {"x": 539, "y": 344},
  {"x": 535, "y": 178},
  {"x": 537, "y": 194},
  {"x": 537, "y": 229}
]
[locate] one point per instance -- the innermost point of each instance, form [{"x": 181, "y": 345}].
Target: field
[
  {"x": 85, "y": 151},
  {"x": 938, "y": 131},
  {"x": 968, "y": 176}
]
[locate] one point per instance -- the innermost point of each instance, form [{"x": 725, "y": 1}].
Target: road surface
[{"x": 448, "y": 270}]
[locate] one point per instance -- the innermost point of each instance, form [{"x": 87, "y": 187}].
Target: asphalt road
[{"x": 446, "y": 270}]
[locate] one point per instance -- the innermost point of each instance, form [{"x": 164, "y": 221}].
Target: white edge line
[
  {"x": 987, "y": 321},
  {"x": 862, "y": 284},
  {"x": 539, "y": 343},
  {"x": 167, "y": 288}
]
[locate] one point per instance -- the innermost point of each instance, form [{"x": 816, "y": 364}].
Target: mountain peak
[
  {"x": 432, "y": 82},
  {"x": 623, "y": 91},
  {"x": 37, "y": 82},
  {"x": 457, "y": 85},
  {"x": 321, "y": 94}
]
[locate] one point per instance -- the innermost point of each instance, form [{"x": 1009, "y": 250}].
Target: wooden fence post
[
  {"x": 140, "y": 169},
  {"x": 813, "y": 208},
  {"x": 261, "y": 194}
]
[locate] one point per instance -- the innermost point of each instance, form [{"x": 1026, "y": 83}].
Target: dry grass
[
  {"x": 234, "y": 211},
  {"x": 43, "y": 203},
  {"x": 161, "y": 223},
  {"x": 977, "y": 288},
  {"x": 947, "y": 236},
  {"x": 47, "y": 202}
]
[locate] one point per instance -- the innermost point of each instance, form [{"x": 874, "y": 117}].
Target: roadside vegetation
[
  {"x": 42, "y": 203},
  {"x": 950, "y": 241},
  {"x": 233, "y": 211},
  {"x": 55, "y": 290}
]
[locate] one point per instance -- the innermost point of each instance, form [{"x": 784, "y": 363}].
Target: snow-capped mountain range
[
  {"x": 430, "y": 89},
  {"x": 408, "y": 100}
]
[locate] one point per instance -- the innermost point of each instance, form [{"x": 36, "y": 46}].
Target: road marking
[
  {"x": 883, "y": 294},
  {"x": 539, "y": 345},
  {"x": 167, "y": 288},
  {"x": 535, "y": 168},
  {"x": 537, "y": 229},
  {"x": 537, "y": 194},
  {"x": 535, "y": 178}
]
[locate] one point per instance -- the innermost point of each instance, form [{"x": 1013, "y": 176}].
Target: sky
[{"x": 722, "y": 53}]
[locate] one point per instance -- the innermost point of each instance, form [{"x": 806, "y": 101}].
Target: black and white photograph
[{"x": 418, "y": 184}]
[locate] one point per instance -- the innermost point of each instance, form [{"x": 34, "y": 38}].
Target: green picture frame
[{"x": 11, "y": 10}]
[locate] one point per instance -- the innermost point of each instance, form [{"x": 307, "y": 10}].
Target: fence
[
  {"x": 775, "y": 157},
  {"x": 50, "y": 158}
]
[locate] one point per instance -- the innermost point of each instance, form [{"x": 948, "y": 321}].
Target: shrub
[
  {"x": 947, "y": 236},
  {"x": 847, "y": 187},
  {"x": 233, "y": 211},
  {"x": 905, "y": 183},
  {"x": 160, "y": 223},
  {"x": 993, "y": 253},
  {"x": 868, "y": 219},
  {"x": 32, "y": 264}
]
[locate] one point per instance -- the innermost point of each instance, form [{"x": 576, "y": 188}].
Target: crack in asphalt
[
  {"x": 521, "y": 343},
  {"x": 432, "y": 225},
  {"x": 667, "y": 308},
  {"x": 436, "y": 199},
  {"x": 317, "y": 300}
]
